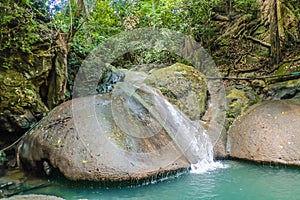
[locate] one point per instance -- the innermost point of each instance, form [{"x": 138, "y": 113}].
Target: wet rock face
[
  {"x": 239, "y": 100},
  {"x": 268, "y": 133},
  {"x": 132, "y": 133}
]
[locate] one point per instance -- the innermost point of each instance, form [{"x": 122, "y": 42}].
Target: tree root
[{"x": 265, "y": 44}]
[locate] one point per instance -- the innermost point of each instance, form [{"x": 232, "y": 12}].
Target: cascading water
[
  {"x": 208, "y": 163},
  {"x": 195, "y": 144},
  {"x": 200, "y": 149},
  {"x": 190, "y": 137}
]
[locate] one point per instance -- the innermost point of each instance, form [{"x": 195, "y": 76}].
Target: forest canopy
[{"x": 89, "y": 22}]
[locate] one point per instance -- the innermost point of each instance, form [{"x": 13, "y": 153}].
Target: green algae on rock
[{"x": 184, "y": 86}]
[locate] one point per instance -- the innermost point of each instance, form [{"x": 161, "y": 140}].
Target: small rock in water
[{"x": 47, "y": 167}]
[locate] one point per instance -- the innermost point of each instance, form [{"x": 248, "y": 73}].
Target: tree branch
[{"x": 219, "y": 17}]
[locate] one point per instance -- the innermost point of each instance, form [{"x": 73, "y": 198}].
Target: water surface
[{"x": 238, "y": 180}]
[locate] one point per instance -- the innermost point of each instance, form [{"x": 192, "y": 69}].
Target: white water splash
[
  {"x": 204, "y": 166},
  {"x": 206, "y": 162}
]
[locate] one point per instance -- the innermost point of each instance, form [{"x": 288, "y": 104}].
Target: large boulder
[
  {"x": 269, "y": 132},
  {"x": 189, "y": 90},
  {"x": 130, "y": 134},
  {"x": 184, "y": 86}
]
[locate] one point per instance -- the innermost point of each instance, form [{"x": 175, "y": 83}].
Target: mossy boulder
[
  {"x": 32, "y": 68},
  {"x": 184, "y": 86},
  {"x": 239, "y": 99}
]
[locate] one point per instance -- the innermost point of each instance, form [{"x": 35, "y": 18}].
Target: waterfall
[
  {"x": 192, "y": 139},
  {"x": 189, "y": 136}
]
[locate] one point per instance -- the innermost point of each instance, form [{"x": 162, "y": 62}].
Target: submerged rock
[
  {"x": 133, "y": 133},
  {"x": 269, "y": 132}
]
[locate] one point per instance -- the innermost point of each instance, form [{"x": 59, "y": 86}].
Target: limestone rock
[
  {"x": 20, "y": 102},
  {"x": 32, "y": 69},
  {"x": 269, "y": 132},
  {"x": 130, "y": 134}
]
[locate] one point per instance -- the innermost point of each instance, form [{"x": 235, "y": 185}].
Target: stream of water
[{"x": 233, "y": 180}]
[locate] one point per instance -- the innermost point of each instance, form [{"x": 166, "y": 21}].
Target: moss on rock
[
  {"x": 20, "y": 102},
  {"x": 184, "y": 86},
  {"x": 239, "y": 100}
]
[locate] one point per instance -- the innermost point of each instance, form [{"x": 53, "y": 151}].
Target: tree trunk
[
  {"x": 58, "y": 75},
  {"x": 77, "y": 20},
  {"x": 275, "y": 50}
]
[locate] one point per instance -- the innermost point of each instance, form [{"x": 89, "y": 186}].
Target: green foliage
[
  {"x": 147, "y": 56},
  {"x": 198, "y": 15},
  {"x": 108, "y": 18},
  {"x": 245, "y": 6},
  {"x": 101, "y": 24},
  {"x": 295, "y": 7},
  {"x": 159, "y": 14},
  {"x": 19, "y": 30},
  {"x": 148, "y": 13},
  {"x": 96, "y": 24}
]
